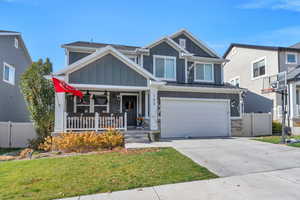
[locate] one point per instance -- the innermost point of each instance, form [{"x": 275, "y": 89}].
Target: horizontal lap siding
[
  {"x": 107, "y": 70},
  {"x": 235, "y": 111}
]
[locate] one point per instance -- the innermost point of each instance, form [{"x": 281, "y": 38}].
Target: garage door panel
[{"x": 194, "y": 118}]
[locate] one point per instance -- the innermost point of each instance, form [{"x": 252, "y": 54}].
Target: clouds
[{"x": 292, "y": 5}]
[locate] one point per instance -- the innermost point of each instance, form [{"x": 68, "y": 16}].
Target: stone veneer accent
[{"x": 236, "y": 127}]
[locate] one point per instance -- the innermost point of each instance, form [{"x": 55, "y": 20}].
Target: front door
[{"x": 129, "y": 105}]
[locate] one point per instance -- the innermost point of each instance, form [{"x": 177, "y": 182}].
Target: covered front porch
[{"x": 124, "y": 109}]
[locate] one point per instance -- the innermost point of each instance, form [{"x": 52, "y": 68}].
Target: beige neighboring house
[{"x": 248, "y": 64}]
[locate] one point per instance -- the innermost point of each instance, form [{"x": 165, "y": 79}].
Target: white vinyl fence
[
  {"x": 16, "y": 134},
  {"x": 257, "y": 124}
]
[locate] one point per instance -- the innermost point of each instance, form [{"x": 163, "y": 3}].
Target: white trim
[
  {"x": 9, "y": 33},
  {"x": 92, "y": 105},
  {"x": 170, "y": 42},
  {"x": 286, "y": 58},
  {"x": 186, "y": 70},
  {"x": 200, "y": 43},
  {"x": 133, "y": 56},
  {"x": 234, "y": 79},
  {"x": 102, "y": 52},
  {"x": 206, "y": 59},
  {"x": 110, "y": 87},
  {"x": 200, "y": 89},
  {"x": 146, "y": 104},
  {"x": 140, "y": 103},
  {"x": 206, "y": 81},
  {"x": 11, "y": 77},
  {"x": 165, "y": 57},
  {"x": 255, "y": 61},
  {"x": 182, "y": 42},
  {"x": 16, "y": 44}
]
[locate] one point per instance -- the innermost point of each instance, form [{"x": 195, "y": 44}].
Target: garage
[{"x": 194, "y": 117}]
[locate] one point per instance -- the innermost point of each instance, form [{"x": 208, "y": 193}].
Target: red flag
[{"x": 61, "y": 86}]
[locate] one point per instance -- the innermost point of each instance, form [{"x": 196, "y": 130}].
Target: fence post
[
  {"x": 252, "y": 124},
  {"x": 10, "y": 136},
  {"x": 270, "y": 122},
  {"x": 96, "y": 121},
  {"x": 125, "y": 121}
]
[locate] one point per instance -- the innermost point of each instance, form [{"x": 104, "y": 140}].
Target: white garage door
[{"x": 182, "y": 117}]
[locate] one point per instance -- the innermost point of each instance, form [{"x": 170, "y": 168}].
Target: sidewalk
[{"x": 280, "y": 184}]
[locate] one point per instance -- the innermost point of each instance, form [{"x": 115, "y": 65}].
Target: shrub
[
  {"x": 276, "y": 128},
  {"x": 84, "y": 142}
]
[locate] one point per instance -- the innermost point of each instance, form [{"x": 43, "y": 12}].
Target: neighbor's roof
[
  {"x": 100, "y": 45},
  {"x": 297, "y": 45},
  {"x": 262, "y": 47}
]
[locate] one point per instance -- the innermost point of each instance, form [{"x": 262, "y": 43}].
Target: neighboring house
[
  {"x": 14, "y": 59},
  {"x": 175, "y": 83},
  {"x": 249, "y": 64}
]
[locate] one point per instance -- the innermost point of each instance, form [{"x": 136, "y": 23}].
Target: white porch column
[
  {"x": 153, "y": 108},
  {"x": 292, "y": 96},
  {"x": 146, "y": 104},
  {"x": 60, "y": 102}
]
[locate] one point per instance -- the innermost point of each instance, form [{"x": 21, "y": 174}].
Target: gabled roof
[
  {"x": 4, "y": 32},
  {"x": 261, "y": 47},
  {"x": 297, "y": 45},
  {"x": 169, "y": 41},
  {"x": 99, "y": 45},
  {"x": 200, "y": 43},
  {"x": 100, "y": 53}
]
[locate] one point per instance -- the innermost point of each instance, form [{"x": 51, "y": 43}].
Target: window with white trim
[
  {"x": 16, "y": 43},
  {"x": 259, "y": 68},
  {"x": 291, "y": 58},
  {"x": 182, "y": 42},
  {"x": 8, "y": 74},
  {"x": 204, "y": 72},
  {"x": 165, "y": 67},
  {"x": 235, "y": 82},
  {"x": 92, "y": 103}
]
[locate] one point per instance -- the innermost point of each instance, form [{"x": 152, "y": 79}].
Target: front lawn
[
  {"x": 51, "y": 178},
  {"x": 277, "y": 140}
]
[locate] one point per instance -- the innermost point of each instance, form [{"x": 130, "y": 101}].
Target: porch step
[{"x": 136, "y": 137}]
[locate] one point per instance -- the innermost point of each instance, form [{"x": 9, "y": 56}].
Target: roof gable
[
  {"x": 100, "y": 53},
  {"x": 200, "y": 43}
]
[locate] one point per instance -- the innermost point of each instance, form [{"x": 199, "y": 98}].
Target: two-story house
[
  {"x": 14, "y": 59},
  {"x": 175, "y": 84},
  {"x": 247, "y": 67}
]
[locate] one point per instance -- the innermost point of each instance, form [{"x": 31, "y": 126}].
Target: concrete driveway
[{"x": 238, "y": 156}]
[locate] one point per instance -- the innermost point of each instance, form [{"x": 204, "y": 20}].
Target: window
[
  {"x": 182, "y": 43},
  {"x": 133, "y": 58},
  {"x": 16, "y": 43},
  {"x": 235, "y": 81},
  {"x": 165, "y": 67},
  {"x": 94, "y": 102},
  {"x": 8, "y": 73},
  {"x": 291, "y": 58},
  {"x": 259, "y": 68},
  {"x": 204, "y": 72}
]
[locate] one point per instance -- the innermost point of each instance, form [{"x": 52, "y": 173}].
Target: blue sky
[{"x": 46, "y": 24}]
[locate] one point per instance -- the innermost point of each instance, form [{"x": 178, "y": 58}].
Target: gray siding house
[
  {"x": 247, "y": 67},
  {"x": 175, "y": 84},
  {"x": 14, "y": 59}
]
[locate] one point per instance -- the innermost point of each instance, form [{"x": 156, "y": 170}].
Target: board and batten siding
[
  {"x": 107, "y": 70},
  {"x": 164, "y": 49},
  {"x": 192, "y": 47},
  {"x": 234, "y": 110}
]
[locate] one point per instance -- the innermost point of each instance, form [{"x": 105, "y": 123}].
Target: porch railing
[{"x": 96, "y": 123}]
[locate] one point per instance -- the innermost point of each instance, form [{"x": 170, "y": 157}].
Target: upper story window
[
  {"x": 164, "y": 67},
  {"x": 259, "y": 68},
  {"x": 8, "y": 74},
  {"x": 204, "y": 72},
  {"x": 133, "y": 58},
  {"x": 291, "y": 58},
  {"x": 182, "y": 42},
  {"x": 235, "y": 81},
  {"x": 16, "y": 43}
]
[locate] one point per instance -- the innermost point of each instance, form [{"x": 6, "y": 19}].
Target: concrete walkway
[{"x": 250, "y": 170}]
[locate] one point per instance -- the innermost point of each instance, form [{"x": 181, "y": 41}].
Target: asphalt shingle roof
[{"x": 101, "y": 45}]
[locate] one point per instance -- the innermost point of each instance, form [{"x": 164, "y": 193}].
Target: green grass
[
  {"x": 276, "y": 140},
  {"x": 86, "y": 174},
  {"x": 7, "y": 150}
]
